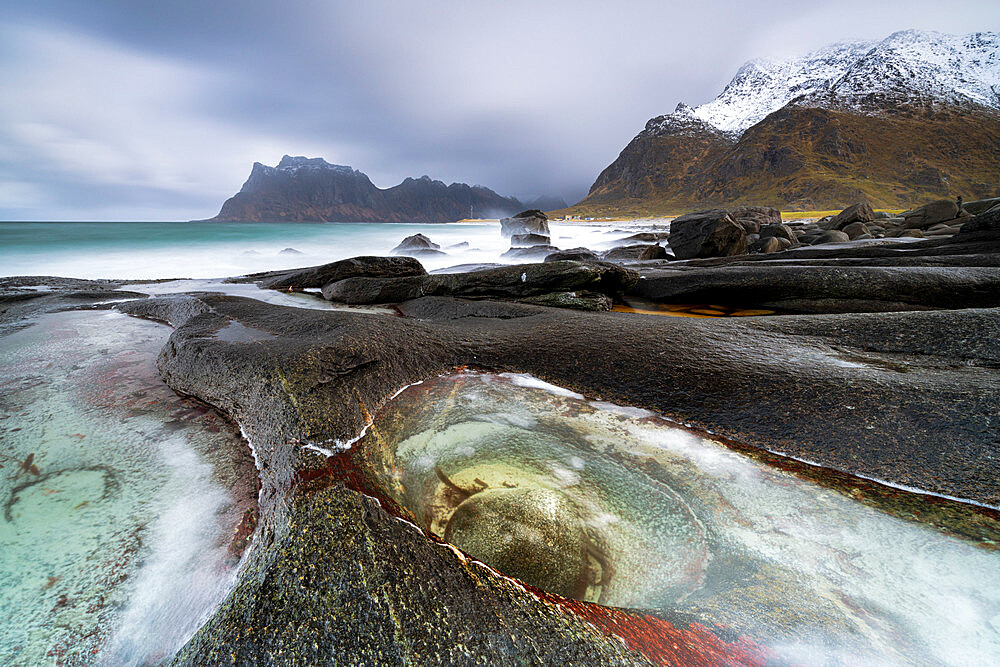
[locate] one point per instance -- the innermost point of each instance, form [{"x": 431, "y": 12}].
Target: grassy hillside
[{"x": 807, "y": 159}]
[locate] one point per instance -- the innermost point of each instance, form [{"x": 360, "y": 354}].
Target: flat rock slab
[
  {"x": 518, "y": 281},
  {"x": 909, "y": 398},
  {"x": 826, "y": 288}
]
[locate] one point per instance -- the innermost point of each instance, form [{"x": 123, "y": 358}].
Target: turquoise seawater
[
  {"x": 141, "y": 250},
  {"x": 118, "y": 499}
]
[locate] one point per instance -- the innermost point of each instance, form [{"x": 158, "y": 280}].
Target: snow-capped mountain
[
  {"x": 896, "y": 122},
  {"x": 907, "y": 65}
]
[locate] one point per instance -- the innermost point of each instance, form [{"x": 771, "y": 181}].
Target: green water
[
  {"x": 676, "y": 522},
  {"x": 116, "y": 544}
]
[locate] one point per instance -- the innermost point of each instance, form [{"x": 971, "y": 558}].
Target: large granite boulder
[
  {"x": 856, "y": 229},
  {"x": 573, "y": 254},
  {"x": 860, "y": 212},
  {"x": 417, "y": 244},
  {"x": 707, "y": 234},
  {"x": 777, "y": 230},
  {"x": 530, "y": 252},
  {"x": 767, "y": 244},
  {"x": 752, "y": 218},
  {"x": 640, "y": 252},
  {"x": 986, "y": 223},
  {"x": 528, "y": 240},
  {"x": 317, "y": 276},
  {"x": 517, "y": 282},
  {"x": 980, "y": 205},
  {"x": 831, "y": 236},
  {"x": 525, "y": 222},
  {"x": 928, "y": 215}
]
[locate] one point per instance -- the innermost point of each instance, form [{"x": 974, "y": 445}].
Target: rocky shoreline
[{"x": 892, "y": 377}]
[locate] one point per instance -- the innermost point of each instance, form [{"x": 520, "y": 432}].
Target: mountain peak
[
  {"x": 907, "y": 65},
  {"x": 294, "y": 163}
]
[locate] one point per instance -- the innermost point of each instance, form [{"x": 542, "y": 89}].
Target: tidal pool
[
  {"x": 620, "y": 507},
  {"x": 125, "y": 508}
]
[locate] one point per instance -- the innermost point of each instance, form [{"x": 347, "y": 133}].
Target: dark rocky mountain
[
  {"x": 303, "y": 189},
  {"x": 897, "y": 122}
]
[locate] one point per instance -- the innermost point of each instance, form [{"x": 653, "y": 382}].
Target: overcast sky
[{"x": 125, "y": 110}]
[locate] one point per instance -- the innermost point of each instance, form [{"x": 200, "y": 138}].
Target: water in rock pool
[
  {"x": 118, "y": 535},
  {"x": 618, "y": 506}
]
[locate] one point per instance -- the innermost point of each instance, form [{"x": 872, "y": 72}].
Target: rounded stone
[{"x": 532, "y": 534}]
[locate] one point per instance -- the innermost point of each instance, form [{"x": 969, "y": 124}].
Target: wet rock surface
[
  {"x": 516, "y": 281},
  {"x": 315, "y": 277},
  {"x": 905, "y": 397}
]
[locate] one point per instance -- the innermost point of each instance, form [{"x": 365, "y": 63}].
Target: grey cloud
[{"x": 157, "y": 110}]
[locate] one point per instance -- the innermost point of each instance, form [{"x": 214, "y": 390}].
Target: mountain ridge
[{"x": 301, "y": 189}]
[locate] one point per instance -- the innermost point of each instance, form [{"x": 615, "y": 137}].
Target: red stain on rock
[{"x": 660, "y": 640}]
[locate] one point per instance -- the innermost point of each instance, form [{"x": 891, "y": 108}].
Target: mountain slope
[
  {"x": 896, "y": 121},
  {"x": 303, "y": 189}
]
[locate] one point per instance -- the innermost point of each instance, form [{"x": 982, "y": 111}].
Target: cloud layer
[{"x": 112, "y": 112}]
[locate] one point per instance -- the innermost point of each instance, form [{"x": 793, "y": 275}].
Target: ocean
[{"x": 146, "y": 250}]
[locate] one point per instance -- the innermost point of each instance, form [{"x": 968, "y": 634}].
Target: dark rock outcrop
[
  {"x": 752, "y": 218},
  {"x": 573, "y": 254},
  {"x": 582, "y": 300},
  {"x": 316, "y": 276},
  {"x": 641, "y": 252},
  {"x": 528, "y": 240},
  {"x": 530, "y": 252},
  {"x": 931, "y": 214},
  {"x": 860, "y": 212},
  {"x": 778, "y": 230},
  {"x": 509, "y": 282},
  {"x": 706, "y": 234}
]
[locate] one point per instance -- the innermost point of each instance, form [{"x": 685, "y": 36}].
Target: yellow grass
[{"x": 801, "y": 215}]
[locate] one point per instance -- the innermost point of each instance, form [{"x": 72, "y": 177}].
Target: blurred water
[
  {"x": 144, "y": 250},
  {"x": 677, "y": 522},
  {"x": 116, "y": 545}
]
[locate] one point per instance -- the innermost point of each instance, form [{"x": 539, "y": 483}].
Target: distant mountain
[
  {"x": 303, "y": 189},
  {"x": 898, "y": 121},
  {"x": 545, "y": 203}
]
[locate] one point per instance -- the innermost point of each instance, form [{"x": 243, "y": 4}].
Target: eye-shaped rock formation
[{"x": 340, "y": 568}]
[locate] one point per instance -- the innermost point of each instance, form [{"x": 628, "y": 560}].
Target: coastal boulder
[
  {"x": 528, "y": 240},
  {"x": 508, "y": 282},
  {"x": 860, "y": 212},
  {"x": 707, "y": 234},
  {"x": 415, "y": 245},
  {"x": 317, "y": 276},
  {"x": 530, "y": 252},
  {"x": 929, "y": 215},
  {"x": 767, "y": 244},
  {"x": 525, "y": 222},
  {"x": 777, "y": 230},
  {"x": 856, "y": 229},
  {"x": 640, "y": 252},
  {"x": 573, "y": 254},
  {"x": 831, "y": 236},
  {"x": 752, "y": 218}
]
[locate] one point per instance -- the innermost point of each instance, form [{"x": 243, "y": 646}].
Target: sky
[{"x": 125, "y": 110}]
